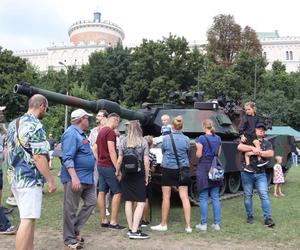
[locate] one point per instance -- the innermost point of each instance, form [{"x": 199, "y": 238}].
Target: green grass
[{"x": 286, "y": 213}]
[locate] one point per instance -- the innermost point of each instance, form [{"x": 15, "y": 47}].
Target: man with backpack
[{"x": 109, "y": 177}]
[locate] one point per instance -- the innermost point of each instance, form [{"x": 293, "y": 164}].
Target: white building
[
  {"x": 86, "y": 37},
  {"x": 89, "y": 36},
  {"x": 284, "y": 49}
]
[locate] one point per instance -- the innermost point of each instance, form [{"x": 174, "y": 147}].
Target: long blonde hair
[
  {"x": 135, "y": 134},
  {"x": 208, "y": 124}
]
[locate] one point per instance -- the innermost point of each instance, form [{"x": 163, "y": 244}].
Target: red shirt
[{"x": 106, "y": 134}]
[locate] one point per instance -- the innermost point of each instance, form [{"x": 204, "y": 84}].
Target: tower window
[
  {"x": 287, "y": 55},
  {"x": 291, "y": 55}
]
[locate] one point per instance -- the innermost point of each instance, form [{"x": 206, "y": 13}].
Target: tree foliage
[
  {"x": 226, "y": 39},
  {"x": 106, "y": 72},
  {"x": 160, "y": 68}
]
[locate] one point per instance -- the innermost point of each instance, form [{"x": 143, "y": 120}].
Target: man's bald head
[
  {"x": 36, "y": 101},
  {"x": 38, "y": 106}
]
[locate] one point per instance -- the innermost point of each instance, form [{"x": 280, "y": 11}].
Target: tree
[
  {"x": 226, "y": 39},
  {"x": 250, "y": 42},
  {"x": 274, "y": 104},
  {"x": 160, "y": 68},
  {"x": 13, "y": 70},
  {"x": 278, "y": 67},
  {"x": 106, "y": 72}
]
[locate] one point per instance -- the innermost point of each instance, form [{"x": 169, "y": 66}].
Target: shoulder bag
[{"x": 216, "y": 172}]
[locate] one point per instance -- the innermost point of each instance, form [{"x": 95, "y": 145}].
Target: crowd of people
[{"x": 105, "y": 168}]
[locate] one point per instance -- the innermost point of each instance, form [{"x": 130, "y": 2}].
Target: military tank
[{"x": 222, "y": 111}]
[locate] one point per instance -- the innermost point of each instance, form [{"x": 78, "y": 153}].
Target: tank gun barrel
[{"x": 94, "y": 106}]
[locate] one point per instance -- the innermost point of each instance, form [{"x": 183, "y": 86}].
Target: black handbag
[{"x": 184, "y": 171}]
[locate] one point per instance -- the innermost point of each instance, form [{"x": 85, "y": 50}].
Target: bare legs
[
  {"x": 183, "y": 193},
  {"x": 277, "y": 190},
  {"x": 134, "y": 217},
  {"x": 25, "y": 235},
  {"x": 115, "y": 204},
  {"x": 165, "y": 206}
]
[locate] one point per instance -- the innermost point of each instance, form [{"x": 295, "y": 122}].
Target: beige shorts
[{"x": 29, "y": 201}]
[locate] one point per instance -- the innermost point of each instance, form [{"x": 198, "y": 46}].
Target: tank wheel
[
  {"x": 224, "y": 187},
  {"x": 193, "y": 192},
  {"x": 233, "y": 183}
]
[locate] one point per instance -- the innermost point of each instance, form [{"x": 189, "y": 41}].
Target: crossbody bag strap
[
  {"x": 174, "y": 149},
  {"x": 209, "y": 144},
  {"x": 17, "y": 128}
]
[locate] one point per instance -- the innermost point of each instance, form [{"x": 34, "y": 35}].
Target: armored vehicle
[{"x": 222, "y": 111}]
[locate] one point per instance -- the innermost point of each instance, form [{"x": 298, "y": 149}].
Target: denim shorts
[{"x": 108, "y": 180}]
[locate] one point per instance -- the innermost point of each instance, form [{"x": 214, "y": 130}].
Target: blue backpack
[{"x": 216, "y": 172}]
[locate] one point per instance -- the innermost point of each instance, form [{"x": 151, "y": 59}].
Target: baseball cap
[
  {"x": 261, "y": 125},
  {"x": 79, "y": 113},
  {"x": 2, "y": 108}
]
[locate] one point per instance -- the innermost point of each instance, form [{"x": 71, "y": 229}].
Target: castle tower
[{"x": 95, "y": 32}]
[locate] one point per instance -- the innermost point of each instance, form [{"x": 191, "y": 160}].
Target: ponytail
[{"x": 208, "y": 124}]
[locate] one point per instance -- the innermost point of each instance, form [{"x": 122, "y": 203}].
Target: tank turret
[{"x": 191, "y": 107}]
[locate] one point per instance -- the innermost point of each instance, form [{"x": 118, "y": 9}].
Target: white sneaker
[
  {"x": 107, "y": 212},
  {"x": 159, "y": 228},
  {"x": 216, "y": 226},
  {"x": 11, "y": 201},
  {"x": 188, "y": 230},
  {"x": 202, "y": 227}
]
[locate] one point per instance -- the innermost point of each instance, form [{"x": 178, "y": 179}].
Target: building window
[
  {"x": 291, "y": 55},
  {"x": 287, "y": 57}
]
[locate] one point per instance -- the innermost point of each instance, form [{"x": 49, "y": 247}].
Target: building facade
[
  {"x": 284, "y": 49},
  {"x": 88, "y": 36}
]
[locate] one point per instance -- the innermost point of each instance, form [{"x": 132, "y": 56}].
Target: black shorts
[{"x": 170, "y": 177}]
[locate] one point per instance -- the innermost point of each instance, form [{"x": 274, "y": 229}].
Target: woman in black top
[{"x": 134, "y": 184}]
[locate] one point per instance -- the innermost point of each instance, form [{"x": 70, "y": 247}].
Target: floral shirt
[{"x": 33, "y": 137}]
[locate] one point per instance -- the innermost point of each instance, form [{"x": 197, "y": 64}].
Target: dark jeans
[
  {"x": 73, "y": 221},
  {"x": 4, "y": 222}
]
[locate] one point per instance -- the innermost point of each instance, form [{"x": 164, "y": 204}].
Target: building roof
[
  {"x": 262, "y": 35},
  {"x": 284, "y": 130}
]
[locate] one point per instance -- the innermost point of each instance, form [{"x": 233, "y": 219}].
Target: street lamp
[{"x": 66, "y": 110}]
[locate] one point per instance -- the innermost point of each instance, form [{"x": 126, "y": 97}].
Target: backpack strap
[
  {"x": 209, "y": 144},
  {"x": 17, "y": 129}
]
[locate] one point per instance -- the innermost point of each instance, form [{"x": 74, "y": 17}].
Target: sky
[{"x": 37, "y": 24}]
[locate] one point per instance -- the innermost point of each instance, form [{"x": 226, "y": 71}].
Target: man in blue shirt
[{"x": 77, "y": 178}]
